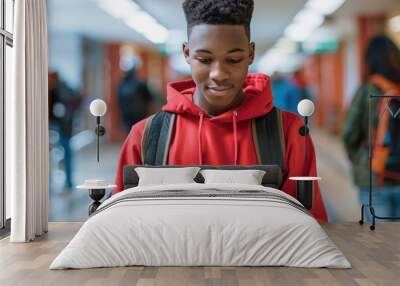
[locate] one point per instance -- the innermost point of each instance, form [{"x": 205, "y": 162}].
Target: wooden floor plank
[{"x": 375, "y": 257}]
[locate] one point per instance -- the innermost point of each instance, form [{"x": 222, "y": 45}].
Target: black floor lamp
[
  {"x": 370, "y": 205},
  {"x": 304, "y": 183}
]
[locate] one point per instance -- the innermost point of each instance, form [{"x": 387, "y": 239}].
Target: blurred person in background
[
  {"x": 286, "y": 94},
  {"x": 300, "y": 82},
  {"x": 382, "y": 78},
  {"x": 134, "y": 99},
  {"x": 64, "y": 102}
]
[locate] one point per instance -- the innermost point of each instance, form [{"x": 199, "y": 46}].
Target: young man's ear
[
  {"x": 252, "y": 47},
  {"x": 185, "y": 48}
]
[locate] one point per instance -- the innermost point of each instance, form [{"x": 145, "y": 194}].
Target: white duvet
[{"x": 183, "y": 231}]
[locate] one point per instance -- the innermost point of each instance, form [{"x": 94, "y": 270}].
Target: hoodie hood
[{"x": 257, "y": 101}]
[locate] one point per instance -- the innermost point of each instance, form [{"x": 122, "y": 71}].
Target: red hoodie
[{"x": 225, "y": 139}]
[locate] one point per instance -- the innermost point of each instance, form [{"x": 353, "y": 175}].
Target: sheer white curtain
[{"x": 27, "y": 124}]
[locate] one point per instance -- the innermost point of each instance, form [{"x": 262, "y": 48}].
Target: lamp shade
[
  {"x": 306, "y": 107},
  {"x": 98, "y": 107}
]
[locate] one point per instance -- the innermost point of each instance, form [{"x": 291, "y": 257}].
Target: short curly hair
[{"x": 218, "y": 12}]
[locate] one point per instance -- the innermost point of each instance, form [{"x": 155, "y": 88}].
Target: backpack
[
  {"x": 267, "y": 135},
  {"x": 386, "y": 147}
]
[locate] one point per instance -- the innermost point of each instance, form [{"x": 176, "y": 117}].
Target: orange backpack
[{"x": 381, "y": 151}]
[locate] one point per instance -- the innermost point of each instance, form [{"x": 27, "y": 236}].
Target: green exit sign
[
  {"x": 320, "y": 47},
  {"x": 162, "y": 49}
]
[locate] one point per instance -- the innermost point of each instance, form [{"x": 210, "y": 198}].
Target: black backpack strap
[
  {"x": 269, "y": 139},
  {"x": 156, "y": 138}
]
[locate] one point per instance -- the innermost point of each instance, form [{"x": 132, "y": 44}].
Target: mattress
[{"x": 201, "y": 225}]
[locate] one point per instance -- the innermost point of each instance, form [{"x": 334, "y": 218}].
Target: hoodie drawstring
[
  {"x": 199, "y": 137},
  {"x": 234, "y": 114}
]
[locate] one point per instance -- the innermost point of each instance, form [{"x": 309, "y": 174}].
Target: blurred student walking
[{"x": 383, "y": 77}]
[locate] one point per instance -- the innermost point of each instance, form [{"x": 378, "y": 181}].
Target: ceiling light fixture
[
  {"x": 310, "y": 18},
  {"x": 325, "y": 7},
  {"x": 306, "y": 21},
  {"x": 394, "y": 24},
  {"x": 136, "y": 18}
]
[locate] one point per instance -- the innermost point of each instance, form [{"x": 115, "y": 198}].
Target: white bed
[{"x": 251, "y": 225}]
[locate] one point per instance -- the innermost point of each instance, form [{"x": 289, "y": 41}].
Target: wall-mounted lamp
[
  {"x": 97, "y": 188},
  {"x": 98, "y": 108},
  {"x": 305, "y": 108},
  {"x": 305, "y": 184}
]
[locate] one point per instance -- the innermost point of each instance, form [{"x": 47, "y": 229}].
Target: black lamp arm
[
  {"x": 305, "y": 137},
  {"x": 100, "y": 131},
  {"x": 304, "y": 131}
]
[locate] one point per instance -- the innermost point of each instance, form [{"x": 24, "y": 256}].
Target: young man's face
[{"x": 219, "y": 57}]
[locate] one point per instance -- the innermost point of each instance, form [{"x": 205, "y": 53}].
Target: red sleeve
[
  {"x": 130, "y": 153},
  {"x": 297, "y": 165}
]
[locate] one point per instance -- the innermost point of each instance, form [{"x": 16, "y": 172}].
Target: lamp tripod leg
[
  {"x": 372, "y": 210},
  {"x": 361, "y": 221}
]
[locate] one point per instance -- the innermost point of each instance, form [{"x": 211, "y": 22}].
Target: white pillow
[
  {"x": 248, "y": 177},
  {"x": 162, "y": 176}
]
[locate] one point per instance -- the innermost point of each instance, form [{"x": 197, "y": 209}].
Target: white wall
[
  {"x": 351, "y": 80},
  {"x": 346, "y": 29},
  {"x": 65, "y": 57}
]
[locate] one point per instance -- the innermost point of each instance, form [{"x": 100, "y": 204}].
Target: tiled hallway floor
[
  {"x": 337, "y": 190},
  {"x": 72, "y": 205},
  {"x": 339, "y": 194}
]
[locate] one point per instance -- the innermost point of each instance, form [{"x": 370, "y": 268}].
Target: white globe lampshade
[
  {"x": 306, "y": 107},
  {"x": 98, "y": 107}
]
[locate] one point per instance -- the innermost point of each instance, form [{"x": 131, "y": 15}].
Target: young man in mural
[{"x": 216, "y": 118}]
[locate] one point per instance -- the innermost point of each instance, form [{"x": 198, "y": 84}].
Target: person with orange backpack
[{"x": 382, "y": 78}]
